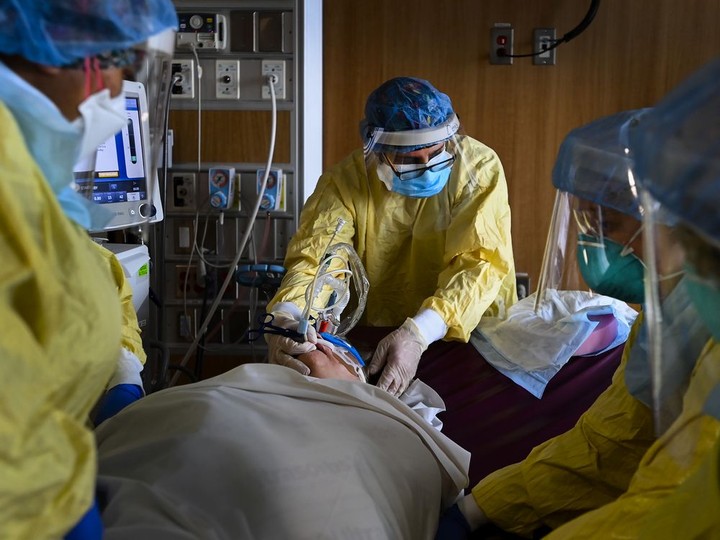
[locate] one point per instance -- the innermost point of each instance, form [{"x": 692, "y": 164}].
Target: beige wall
[{"x": 630, "y": 56}]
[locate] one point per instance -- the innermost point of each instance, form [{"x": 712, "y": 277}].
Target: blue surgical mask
[
  {"x": 705, "y": 295},
  {"x": 428, "y": 184},
  {"x": 608, "y": 270},
  {"x": 683, "y": 337},
  {"x": 54, "y": 143},
  {"x": 435, "y": 174}
]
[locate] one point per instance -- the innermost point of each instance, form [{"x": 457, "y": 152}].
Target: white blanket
[
  {"x": 263, "y": 452},
  {"x": 530, "y": 346}
]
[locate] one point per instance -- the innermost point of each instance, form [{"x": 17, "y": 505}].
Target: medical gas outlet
[
  {"x": 227, "y": 79},
  {"x": 273, "y": 198},
  {"x": 183, "y": 195},
  {"x": 221, "y": 185},
  {"x": 183, "y": 73},
  {"x": 274, "y": 68}
]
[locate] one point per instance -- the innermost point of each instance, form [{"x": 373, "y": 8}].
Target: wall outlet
[
  {"x": 185, "y": 87},
  {"x": 543, "y": 39},
  {"x": 187, "y": 284},
  {"x": 277, "y": 68},
  {"x": 501, "y": 44},
  {"x": 522, "y": 281},
  {"x": 185, "y": 326},
  {"x": 184, "y": 191},
  {"x": 227, "y": 79}
]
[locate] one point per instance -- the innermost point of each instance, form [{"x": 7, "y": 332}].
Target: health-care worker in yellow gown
[
  {"x": 426, "y": 209},
  {"x": 636, "y": 459},
  {"x": 68, "y": 330}
]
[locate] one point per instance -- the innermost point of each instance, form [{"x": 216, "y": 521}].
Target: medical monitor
[{"x": 123, "y": 171}]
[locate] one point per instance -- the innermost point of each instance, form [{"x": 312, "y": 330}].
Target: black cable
[
  {"x": 155, "y": 298},
  {"x": 572, "y": 34},
  {"x": 210, "y": 288}
]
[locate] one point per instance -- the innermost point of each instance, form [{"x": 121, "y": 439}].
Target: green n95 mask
[{"x": 608, "y": 270}]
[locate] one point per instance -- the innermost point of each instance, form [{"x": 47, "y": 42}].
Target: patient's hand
[{"x": 324, "y": 364}]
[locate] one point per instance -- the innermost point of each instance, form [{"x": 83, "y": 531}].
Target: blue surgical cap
[
  {"x": 593, "y": 163},
  {"x": 676, "y": 148},
  {"x": 406, "y": 103},
  {"x": 59, "y": 32}
]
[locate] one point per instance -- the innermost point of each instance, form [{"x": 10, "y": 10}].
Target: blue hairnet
[
  {"x": 676, "y": 148},
  {"x": 593, "y": 163},
  {"x": 406, "y": 103},
  {"x": 59, "y": 32}
]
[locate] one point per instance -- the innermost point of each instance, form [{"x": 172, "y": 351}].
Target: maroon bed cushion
[{"x": 492, "y": 417}]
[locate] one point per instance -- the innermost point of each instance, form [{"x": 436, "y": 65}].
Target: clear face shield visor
[
  {"x": 149, "y": 64},
  {"x": 415, "y": 163},
  {"x": 593, "y": 248},
  {"x": 155, "y": 74},
  {"x": 681, "y": 277}
]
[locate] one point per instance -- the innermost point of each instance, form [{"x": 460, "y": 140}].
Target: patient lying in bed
[{"x": 264, "y": 452}]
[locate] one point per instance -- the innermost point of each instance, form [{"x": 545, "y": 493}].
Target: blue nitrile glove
[
  {"x": 116, "y": 399},
  {"x": 89, "y": 527},
  {"x": 453, "y": 525}
]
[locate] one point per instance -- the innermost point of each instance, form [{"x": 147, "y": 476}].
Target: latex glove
[
  {"x": 116, "y": 399},
  {"x": 452, "y": 525},
  {"x": 282, "y": 349},
  {"x": 398, "y": 355},
  {"x": 90, "y": 526}
]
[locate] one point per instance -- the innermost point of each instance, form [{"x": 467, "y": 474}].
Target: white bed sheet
[{"x": 264, "y": 452}]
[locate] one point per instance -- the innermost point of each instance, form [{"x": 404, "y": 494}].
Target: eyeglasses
[{"x": 417, "y": 172}]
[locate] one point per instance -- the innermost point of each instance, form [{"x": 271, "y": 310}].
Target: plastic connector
[{"x": 303, "y": 327}]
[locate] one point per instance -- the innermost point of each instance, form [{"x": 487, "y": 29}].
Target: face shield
[
  {"x": 120, "y": 150},
  {"x": 676, "y": 149},
  {"x": 109, "y": 42},
  {"x": 415, "y": 163},
  {"x": 678, "y": 286},
  {"x": 595, "y": 243},
  {"x": 411, "y": 138},
  {"x": 155, "y": 74},
  {"x": 593, "y": 248}
]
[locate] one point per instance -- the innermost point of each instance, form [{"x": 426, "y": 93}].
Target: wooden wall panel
[
  {"x": 230, "y": 136},
  {"x": 631, "y": 55}
]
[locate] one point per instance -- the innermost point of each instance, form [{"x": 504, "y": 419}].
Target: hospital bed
[
  {"x": 493, "y": 418},
  {"x": 262, "y": 452}
]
